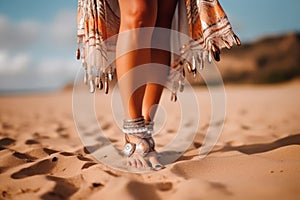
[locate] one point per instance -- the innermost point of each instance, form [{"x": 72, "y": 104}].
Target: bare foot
[
  {"x": 136, "y": 145},
  {"x": 149, "y": 161}
]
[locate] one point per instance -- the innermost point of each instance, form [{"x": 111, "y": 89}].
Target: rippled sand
[{"x": 256, "y": 157}]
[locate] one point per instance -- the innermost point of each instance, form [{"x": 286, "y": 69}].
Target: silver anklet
[{"x": 139, "y": 129}]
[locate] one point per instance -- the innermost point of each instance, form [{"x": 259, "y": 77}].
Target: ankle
[
  {"x": 134, "y": 127},
  {"x": 138, "y": 136}
]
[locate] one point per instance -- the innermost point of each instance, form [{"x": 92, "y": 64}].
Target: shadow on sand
[{"x": 263, "y": 147}]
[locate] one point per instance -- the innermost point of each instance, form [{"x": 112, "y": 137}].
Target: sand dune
[
  {"x": 271, "y": 59},
  {"x": 256, "y": 157}
]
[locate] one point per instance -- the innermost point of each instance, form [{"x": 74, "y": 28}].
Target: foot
[
  {"x": 150, "y": 160},
  {"x": 140, "y": 146}
]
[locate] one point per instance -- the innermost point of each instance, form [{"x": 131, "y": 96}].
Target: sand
[{"x": 256, "y": 157}]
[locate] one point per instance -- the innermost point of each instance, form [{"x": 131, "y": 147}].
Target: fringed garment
[{"x": 204, "y": 21}]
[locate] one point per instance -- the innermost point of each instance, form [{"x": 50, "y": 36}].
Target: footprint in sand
[
  {"x": 7, "y": 125},
  {"x": 61, "y": 130},
  {"x": 88, "y": 165},
  {"x": 82, "y": 158},
  {"x": 164, "y": 186},
  {"x": 42, "y": 167},
  {"x": 49, "y": 151},
  {"x": 197, "y": 145},
  {"x": 11, "y": 158},
  {"x": 5, "y": 142},
  {"x": 106, "y": 126},
  {"x": 171, "y": 131},
  {"x": 245, "y": 127},
  {"x": 66, "y": 154},
  {"x": 97, "y": 185},
  {"x": 30, "y": 142},
  {"x": 24, "y": 156},
  {"x": 63, "y": 189},
  {"x": 92, "y": 148}
]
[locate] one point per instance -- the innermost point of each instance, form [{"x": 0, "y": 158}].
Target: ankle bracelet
[
  {"x": 135, "y": 127},
  {"x": 142, "y": 131}
]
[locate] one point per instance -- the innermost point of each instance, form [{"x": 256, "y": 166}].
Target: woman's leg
[
  {"x": 166, "y": 9},
  {"x": 134, "y": 14}
]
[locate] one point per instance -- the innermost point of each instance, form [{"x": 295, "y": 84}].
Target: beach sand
[{"x": 256, "y": 157}]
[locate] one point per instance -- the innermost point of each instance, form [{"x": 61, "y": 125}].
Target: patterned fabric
[
  {"x": 211, "y": 25},
  {"x": 98, "y": 20}
]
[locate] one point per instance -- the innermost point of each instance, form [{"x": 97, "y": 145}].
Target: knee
[{"x": 137, "y": 17}]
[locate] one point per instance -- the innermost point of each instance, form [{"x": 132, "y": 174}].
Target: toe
[
  {"x": 128, "y": 163},
  {"x": 156, "y": 165},
  {"x": 139, "y": 163},
  {"x": 144, "y": 163},
  {"x": 131, "y": 162}
]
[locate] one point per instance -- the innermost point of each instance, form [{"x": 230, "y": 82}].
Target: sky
[{"x": 38, "y": 37}]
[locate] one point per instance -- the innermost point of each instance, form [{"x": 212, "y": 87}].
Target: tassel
[
  {"x": 193, "y": 63},
  {"x": 200, "y": 61},
  {"x": 188, "y": 66},
  {"x": 195, "y": 72},
  {"x": 173, "y": 97},
  {"x": 106, "y": 86},
  {"x": 78, "y": 54},
  {"x": 110, "y": 76},
  {"x": 237, "y": 40},
  {"x": 228, "y": 46},
  {"x": 100, "y": 86},
  {"x": 85, "y": 78},
  {"x": 97, "y": 81},
  {"x": 209, "y": 57},
  {"x": 194, "y": 68},
  {"x": 92, "y": 86},
  {"x": 216, "y": 52},
  {"x": 181, "y": 85}
]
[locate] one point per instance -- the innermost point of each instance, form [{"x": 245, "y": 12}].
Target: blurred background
[{"x": 38, "y": 43}]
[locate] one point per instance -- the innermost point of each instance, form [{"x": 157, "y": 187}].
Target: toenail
[{"x": 157, "y": 166}]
